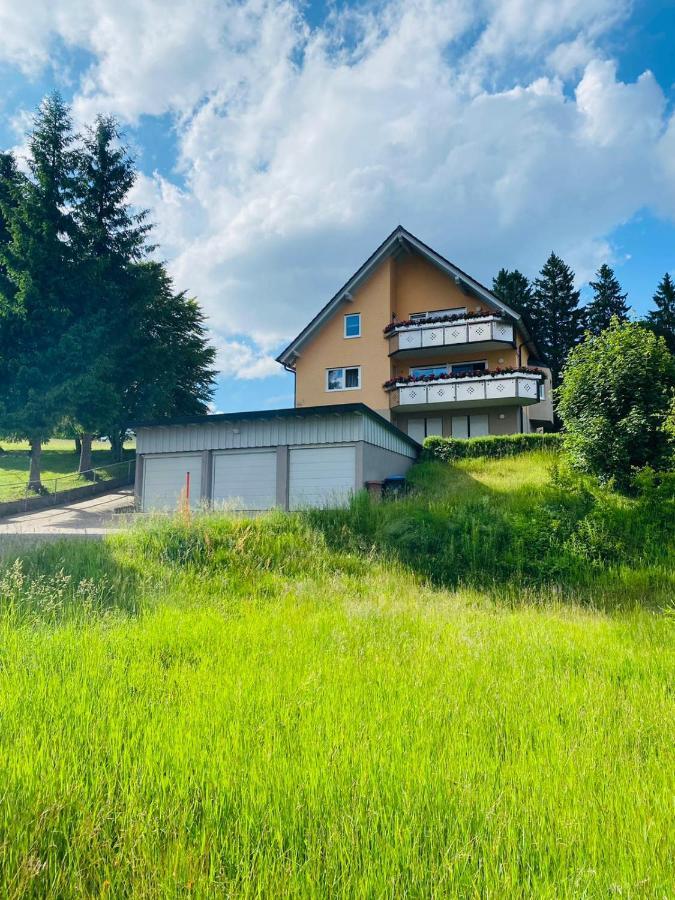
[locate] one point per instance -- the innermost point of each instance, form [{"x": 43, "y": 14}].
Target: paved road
[{"x": 88, "y": 518}]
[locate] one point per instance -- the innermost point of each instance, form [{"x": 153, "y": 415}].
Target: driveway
[{"x": 94, "y": 517}]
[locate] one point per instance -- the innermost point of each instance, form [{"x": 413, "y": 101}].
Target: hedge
[{"x": 448, "y": 449}]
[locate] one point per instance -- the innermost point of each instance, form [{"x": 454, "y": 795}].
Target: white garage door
[
  {"x": 321, "y": 476},
  {"x": 165, "y": 478},
  {"x": 245, "y": 480}
]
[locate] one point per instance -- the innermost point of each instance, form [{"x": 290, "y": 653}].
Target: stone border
[{"x": 70, "y": 495}]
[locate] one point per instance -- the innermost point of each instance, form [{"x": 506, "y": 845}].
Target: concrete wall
[{"x": 379, "y": 464}]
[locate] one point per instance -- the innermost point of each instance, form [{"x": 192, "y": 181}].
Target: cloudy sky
[{"x": 280, "y": 142}]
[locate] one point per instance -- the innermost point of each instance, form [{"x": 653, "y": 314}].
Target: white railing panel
[
  {"x": 528, "y": 387},
  {"x": 441, "y": 393},
  {"x": 413, "y": 394},
  {"x": 409, "y": 340},
  {"x": 479, "y": 331},
  {"x": 502, "y": 331},
  {"x": 455, "y": 334},
  {"x": 498, "y": 388},
  {"x": 472, "y": 390},
  {"x": 432, "y": 337}
]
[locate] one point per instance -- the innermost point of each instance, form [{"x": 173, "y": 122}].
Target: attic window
[{"x": 353, "y": 325}]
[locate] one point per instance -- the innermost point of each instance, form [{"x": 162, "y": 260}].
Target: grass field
[
  {"x": 58, "y": 460},
  {"x": 310, "y": 705}
]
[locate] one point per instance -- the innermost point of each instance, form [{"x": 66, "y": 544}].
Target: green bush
[
  {"x": 495, "y": 446},
  {"x": 614, "y": 402}
]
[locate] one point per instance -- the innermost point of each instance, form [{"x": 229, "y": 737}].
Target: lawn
[
  {"x": 59, "y": 459},
  {"x": 300, "y": 706}
]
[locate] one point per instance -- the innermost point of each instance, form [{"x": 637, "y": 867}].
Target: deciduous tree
[{"x": 615, "y": 399}]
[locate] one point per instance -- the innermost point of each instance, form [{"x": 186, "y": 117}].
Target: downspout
[{"x": 295, "y": 384}]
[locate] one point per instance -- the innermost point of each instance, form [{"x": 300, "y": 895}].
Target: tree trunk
[
  {"x": 85, "y": 455},
  {"x": 116, "y": 444},
  {"x": 34, "y": 475},
  {"x": 78, "y": 444}
]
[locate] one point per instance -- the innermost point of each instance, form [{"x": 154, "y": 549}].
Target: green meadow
[
  {"x": 59, "y": 466},
  {"x": 467, "y": 692}
]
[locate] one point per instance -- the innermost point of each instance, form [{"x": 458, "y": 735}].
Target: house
[
  {"x": 410, "y": 346},
  {"x": 424, "y": 345}
]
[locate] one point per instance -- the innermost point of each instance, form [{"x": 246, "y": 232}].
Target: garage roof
[{"x": 287, "y": 413}]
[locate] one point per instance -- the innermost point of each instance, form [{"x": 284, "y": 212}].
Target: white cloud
[
  {"x": 300, "y": 149},
  {"x": 239, "y": 360}
]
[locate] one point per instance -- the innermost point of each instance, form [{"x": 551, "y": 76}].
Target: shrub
[
  {"x": 495, "y": 446},
  {"x": 614, "y": 402}
]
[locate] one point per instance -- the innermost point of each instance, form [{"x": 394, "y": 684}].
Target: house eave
[{"x": 400, "y": 240}]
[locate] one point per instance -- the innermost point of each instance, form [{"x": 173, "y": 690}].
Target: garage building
[{"x": 287, "y": 458}]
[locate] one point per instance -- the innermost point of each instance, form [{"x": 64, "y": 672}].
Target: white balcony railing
[
  {"x": 486, "y": 330},
  {"x": 520, "y": 389}
]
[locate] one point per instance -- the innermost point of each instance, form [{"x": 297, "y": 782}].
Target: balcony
[
  {"x": 515, "y": 388},
  {"x": 425, "y": 338}
]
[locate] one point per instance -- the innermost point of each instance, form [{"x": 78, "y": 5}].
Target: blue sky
[{"x": 278, "y": 143}]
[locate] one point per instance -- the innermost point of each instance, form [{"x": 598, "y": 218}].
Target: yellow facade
[{"x": 399, "y": 287}]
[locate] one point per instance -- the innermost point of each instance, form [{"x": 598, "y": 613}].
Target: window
[
  {"x": 348, "y": 379},
  {"x": 463, "y": 368},
  {"x": 422, "y": 371},
  {"x": 434, "y": 313},
  {"x": 353, "y": 325}
]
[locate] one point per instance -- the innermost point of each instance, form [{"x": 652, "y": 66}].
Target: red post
[{"x": 187, "y": 487}]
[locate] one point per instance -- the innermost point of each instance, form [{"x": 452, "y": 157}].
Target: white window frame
[
  {"x": 351, "y": 337},
  {"x": 411, "y": 369},
  {"x": 432, "y": 313},
  {"x": 468, "y": 362},
  {"x": 343, "y": 369}
]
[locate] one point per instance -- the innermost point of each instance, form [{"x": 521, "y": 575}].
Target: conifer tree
[
  {"x": 111, "y": 238},
  {"x": 662, "y": 319},
  {"x": 147, "y": 351},
  {"x": 556, "y": 311},
  {"x": 514, "y": 289},
  {"x": 608, "y": 302},
  {"x": 38, "y": 298}
]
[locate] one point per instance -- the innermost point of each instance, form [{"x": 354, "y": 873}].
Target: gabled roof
[{"x": 398, "y": 241}]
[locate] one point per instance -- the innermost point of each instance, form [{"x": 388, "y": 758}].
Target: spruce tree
[
  {"x": 608, "y": 302},
  {"x": 111, "y": 238},
  {"x": 556, "y": 310},
  {"x": 147, "y": 352},
  {"x": 514, "y": 289},
  {"x": 39, "y": 297},
  {"x": 662, "y": 319}
]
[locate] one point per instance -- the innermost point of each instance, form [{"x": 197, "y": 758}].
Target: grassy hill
[
  {"x": 59, "y": 465},
  {"x": 465, "y": 693}
]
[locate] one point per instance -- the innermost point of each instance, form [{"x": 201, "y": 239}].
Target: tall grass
[{"x": 286, "y": 707}]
